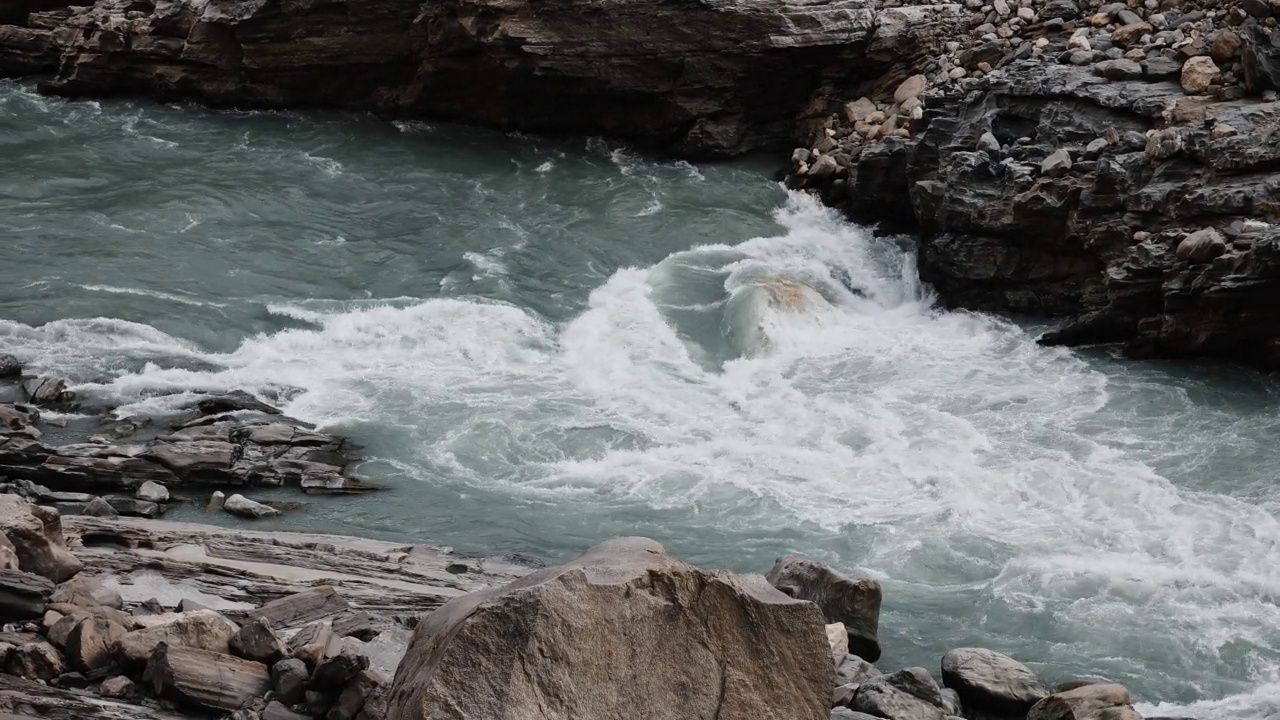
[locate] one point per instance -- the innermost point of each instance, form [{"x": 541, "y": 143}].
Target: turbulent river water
[{"x": 542, "y": 344}]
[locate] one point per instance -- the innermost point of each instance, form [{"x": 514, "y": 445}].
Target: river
[{"x": 544, "y": 343}]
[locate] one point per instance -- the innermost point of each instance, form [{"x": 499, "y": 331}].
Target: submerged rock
[
  {"x": 713, "y": 644},
  {"x": 9, "y": 366}
]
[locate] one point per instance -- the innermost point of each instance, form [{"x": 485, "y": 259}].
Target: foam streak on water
[{"x": 545, "y": 346}]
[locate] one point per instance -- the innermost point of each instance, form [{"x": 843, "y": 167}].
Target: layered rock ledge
[
  {"x": 692, "y": 77},
  {"x": 1112, "y": 163}
]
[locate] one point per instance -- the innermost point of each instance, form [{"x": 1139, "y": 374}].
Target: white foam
[{"x": 160, "y": 295}]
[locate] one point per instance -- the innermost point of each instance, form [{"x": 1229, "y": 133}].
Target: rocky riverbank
[
  {"x": 127, "y": 618},
  {"x": 1112, "y": 163}
]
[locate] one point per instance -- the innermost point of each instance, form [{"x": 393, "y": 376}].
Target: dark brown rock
[
  {"x": 352, "y": 699},
  {"x": 856, "y": 603},
  {"x": 256, "y": 641},
  {"x": 206, "y": 679},
  {"x": 337, "y": 671}
]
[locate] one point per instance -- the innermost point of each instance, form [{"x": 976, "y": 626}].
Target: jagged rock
[
  {"x": 289, "y": 680},
  {"x": 36, "y": 535},
  {"x": 256, "y": 641},
  {"x": 23, "y": 596},
  {"x": 1260, "y": 58},
  {"x": 61, "y": 629},
  {"x": 35, "y": 661},
  {"x": 1057, "y": 164},
  {"x": 1198, "y": 74},
  {"x": 244, "y": 507},
  {"x": 19, "y": 419},
  {"x": 909, "y": 694},
  {"x": 337, "y": 671},
  {"x": 9, "y": 366},
  {"x": 205, "y": 679},
  {"x": 152, "y": 492},
  {"x": 201, "y": 629},
  {"x": 1090, "y": 702},
  {"x": 991, "y": 682},
  {"x": 88, "y": 647},
  {"x": 354, "y": 624},
  {"x": 119, "y": 687},
  {"x": 691, "y": 625},
  {"x": 856, "y": 603},
  {"x": 97, "y": 507}
]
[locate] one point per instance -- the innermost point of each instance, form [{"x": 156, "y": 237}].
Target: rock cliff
[
  {"x": 1115, "y": 164},
  {"x": 691, "y": 77}
]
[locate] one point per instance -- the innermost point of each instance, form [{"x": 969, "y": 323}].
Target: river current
[{"x": 545, "y": 343}]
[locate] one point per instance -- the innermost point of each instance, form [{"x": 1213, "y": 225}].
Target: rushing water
[{"x": 544, "y": 344}]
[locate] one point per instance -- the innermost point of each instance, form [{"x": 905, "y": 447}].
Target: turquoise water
[{"x": 542, "y": 344}]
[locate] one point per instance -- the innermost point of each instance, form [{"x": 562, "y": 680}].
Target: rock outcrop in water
[
  {"x": 1116, "y": 164},
  {"x": 697, "y": 78}
]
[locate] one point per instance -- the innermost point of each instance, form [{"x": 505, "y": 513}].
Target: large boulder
[
  {"x": 88, "y": 647},
  {"x": 990, "y": 682},
  {"x": 1090, "y": 702},
  {"x": 856, "y": 603},
  {"x": 35, "y": 532},
  {"x": 623, "y": 631}
]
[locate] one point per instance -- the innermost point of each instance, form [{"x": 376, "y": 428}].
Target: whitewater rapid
[{"x": 951, "y": 449}]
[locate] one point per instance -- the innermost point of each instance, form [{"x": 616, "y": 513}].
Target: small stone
[
  {"x": 1095, "y": 147},
  {"x": 1026, "y": 14},
  {"x": 1222, "y": 130},
  {"x": 1126, "y": 35},
  {"x": 1001, "y": 7},
  {"x": 1164, "y": 143},
  {"x": 1201, "y": 246},
  {"x": 1225, "y": 47},
  {"x": 824, "y": 166},
  {"x": 858, "y": 109},
  {"x": 152, "y": 491},
  {"x": 990, "y": 144},
  {"x": 217, "y": 500},
  {"x": 1057, "y": 164},
  {"x": 957, "y": 73},
  {"x": 244, "y": 507},
  {"x": 1119, "y": 69},
  {"x": 913, "y": 86},
  {"x": 1198, "y": 74},
  {"x": 799, "y": 156},
  {"x": 119, "y": 687},
  {"x": 838, "y": 638}
]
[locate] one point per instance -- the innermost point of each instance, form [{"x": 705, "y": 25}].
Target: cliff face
[
  {"x": 692, "y": 77},
  {"x": 1115, "y": 164}
]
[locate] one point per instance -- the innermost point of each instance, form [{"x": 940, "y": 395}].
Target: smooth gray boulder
[
  {"x": 856, "y": 603},
  {"x": 991, "y": 682},
  {"x": 624, "y": 631}
]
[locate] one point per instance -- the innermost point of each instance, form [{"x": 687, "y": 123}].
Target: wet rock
[
  {"x": 23, "y": 596},
  {"x": 244, "y": 507},
  {"x": 202, "y": 629},
  {"x": 991, "y": 682},
  {"x": 1198, "y": 74},
  {"x": 35, "y": 661},
  {"x": 47, "y": 391},
  {"x": 152, "y": 492},
  {"x": 119, "y": 687},
  {"x": 289, "y": 680},
  {"x": 856, "y": 603},
  {"x": 205, "y": 679},
  {"x": 691, "y": 625},
  {"x": 1201, "y": 246},
  {"x": 235, "y": 401},
  {"x": 909, "y": 694},
  {"x": 9, "y": 366},
  {"x": 256, "y": 641},
  {"x": 88, "y": 647},
  {"x": 1090, "y": 702},
  {"x": 36, "y": 535}
]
